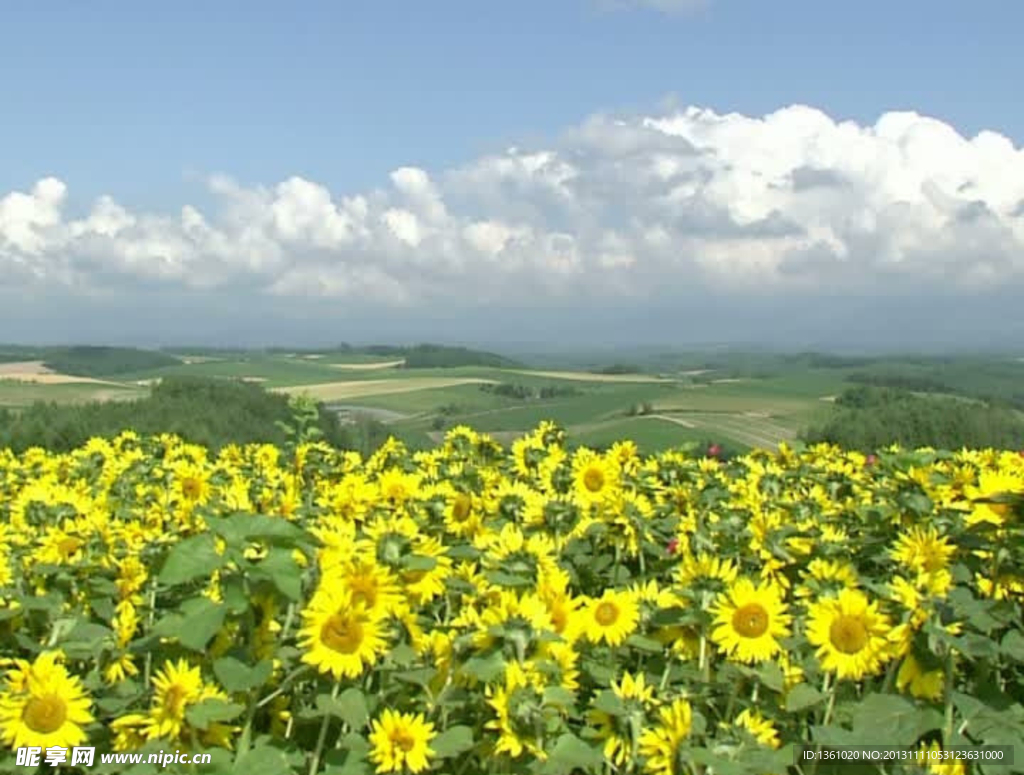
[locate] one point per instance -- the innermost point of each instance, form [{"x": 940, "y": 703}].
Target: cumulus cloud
[{"x": 617, "y": 211}]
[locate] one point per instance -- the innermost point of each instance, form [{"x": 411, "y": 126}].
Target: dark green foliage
[
  {"x": 619, "y": 368},
  {"x": 433, "y": 356},
  {"x": 903, "y": 382},
  {"x": 204, "y": 411},
  {"x": 105, "y": 361},
  {"x": 526, "y": 393},
  {"x": 867, "y": 419}
]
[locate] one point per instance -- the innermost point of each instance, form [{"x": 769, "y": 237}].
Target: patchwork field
[{"x": 743, "y": 400}]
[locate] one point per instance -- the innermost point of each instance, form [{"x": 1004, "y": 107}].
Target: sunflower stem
[
  {"x": 947, "y": 735},
  {"x": 321, "y": 739},
  {"x": 285, "y": 685}
]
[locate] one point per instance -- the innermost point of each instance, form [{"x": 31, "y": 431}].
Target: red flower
[
  {"x": 870, "y": 460},
  {"x": 714, "y": 450},
  {"x": 673, "y": 546}
]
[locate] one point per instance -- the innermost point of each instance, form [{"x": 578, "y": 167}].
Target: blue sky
[{"x": 143, "y": 102}]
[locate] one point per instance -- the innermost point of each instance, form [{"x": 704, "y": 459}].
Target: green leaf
[
  {"x": 281, "y": 570},
  {"x": 349, "y": 706},
  {"x": 642, "y": 643},
  {"x": 801, "y": 697},
  {"x": 486, "y": 669},
  {"x": 417, "y": 562},
  {"x": 208, "y": 712},
  {"x": 610, "y": 703},
  {"x": 240, "y": 529},
  {"x": 264, "y": 760},
  {"x": 194, "y": 624},
  {"x": 452, "y": 742},
  {"x": 236, "y": 676},
  {"x": 419, "y": 677},
  {"x": 570, "y": 754},
  {"x": 559, "y": 696},
  {"x": 771, "y": 677},
  {"x": 191, "y": 559},
  {"x": 1013, "y": 645},
  {"x": 894, "y": 719}
]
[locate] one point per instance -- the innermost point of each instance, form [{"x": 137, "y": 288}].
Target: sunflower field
[{"x": 533, "y": 609}]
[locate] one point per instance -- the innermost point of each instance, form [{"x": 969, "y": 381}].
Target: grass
[
  {"x": 650, "y": 434},
  {"x": 15, "y": 394}
]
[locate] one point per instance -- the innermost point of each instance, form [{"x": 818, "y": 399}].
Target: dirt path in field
[
  {"x": 333, "y": 391},
  {"x": 584, "y": 376},
  {"x": 676, "y": 420},
  {"x": 366, "y": 366}
]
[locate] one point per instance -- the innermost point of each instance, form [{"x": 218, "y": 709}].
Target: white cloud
[{"x": 619, "y": 209}]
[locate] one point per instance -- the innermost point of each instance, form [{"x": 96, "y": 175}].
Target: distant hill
[
  {"x": 433, "y": 356},
  {"x": 89, "y": 361}
]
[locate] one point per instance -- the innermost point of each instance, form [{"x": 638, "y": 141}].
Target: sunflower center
[
  {"x": 68, "y": 546},
  {"x": 461, "y": 507},
  {"x": 593, "y": 479},
  {"x": 364, "y": 592},
  {"x": 848, "y": 634},
  {"x": 607, "y": 614},
  {"x": 403, "y": 739},
  {"x": 750, "y": 621},
  {"x": 174, "y": 700},
  {"x": 343, "y": 634},
  {"x": 191, "y": 487},
  {"x": 44, "y": 714}
]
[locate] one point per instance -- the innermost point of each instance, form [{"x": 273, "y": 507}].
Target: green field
[{"x": 746, "y": 400}]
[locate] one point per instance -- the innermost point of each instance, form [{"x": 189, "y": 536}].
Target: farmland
[{"x": 739, "y": 399}]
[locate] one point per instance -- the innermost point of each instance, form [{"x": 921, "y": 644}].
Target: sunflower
[
  {"x": 177, "y": 687},
  {"x": 760, "y": 728},
  {"x": 371, "y": 585},
  {"x": 918, "y": 680},
  {"x": 705, "y": 572},
  {"x": 519, "y": 712},
  {"x": 43, "y": 705},
  {"x": 923, "y": 551},
  {"x": 618, "y": 731},
  {"x": 750, "y": 620},
  {"x": 611, "y": 618},
  {"x": 340, "y": 637},
  {"x": 984, "y": 508},
  {"x": 594, "y": 477},
  {"x": 660, "y": 745},
  {"x": 851, "y": 634},
  {"x": 401, "y": 740}
]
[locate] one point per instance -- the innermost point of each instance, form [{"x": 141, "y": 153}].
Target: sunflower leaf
[
  {"x": 195, "y": 557},
  {"x": 801, "y": 697},
  {"x": 236, "y": 676},
  {"x": 207, "y": 712},
  {"x": 570, "y": 754},
  {"x": 452, "y": 742}
]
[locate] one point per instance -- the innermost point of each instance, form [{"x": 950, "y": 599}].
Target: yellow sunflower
[
  {"x": 340, "y": 637},
  {"x": 401, "y": 740},
  {"x": 43, "y": 705},
  {"x": 750, "y": 620},
  {"x": 851, "y": 634},
  {"x": 611, "y": 618},
  {"x": 660, "y": 745}
]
